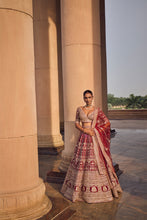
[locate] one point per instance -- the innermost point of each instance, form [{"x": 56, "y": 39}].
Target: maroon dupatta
[{"x": 101, "y": 140}]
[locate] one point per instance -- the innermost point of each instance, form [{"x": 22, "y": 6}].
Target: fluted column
[
  {"x": 46, "y": 71},
  {"x": 22, "y": 192},
  {"x": 81, "y": 60}
]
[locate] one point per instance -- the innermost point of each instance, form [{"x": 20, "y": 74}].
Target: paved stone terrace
[{"x": 129, "y": 149}]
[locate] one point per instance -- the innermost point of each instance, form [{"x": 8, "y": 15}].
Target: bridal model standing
[{"x": 91, "y": 176}]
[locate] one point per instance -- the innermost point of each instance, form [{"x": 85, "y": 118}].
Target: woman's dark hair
[{"x": 87, "y": 91}]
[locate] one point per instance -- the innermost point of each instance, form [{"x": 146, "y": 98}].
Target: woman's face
[{"x": 88, "y": 99}]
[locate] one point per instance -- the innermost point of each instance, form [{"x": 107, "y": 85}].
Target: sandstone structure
[
  {"x": 22, "y": 192},
  {"x": 51, "y": 51}
]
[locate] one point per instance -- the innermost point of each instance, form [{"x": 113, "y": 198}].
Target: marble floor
[{"x": 129, "y": 149}]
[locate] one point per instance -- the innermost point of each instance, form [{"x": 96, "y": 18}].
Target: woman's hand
[{"x": 89, "y": 131}]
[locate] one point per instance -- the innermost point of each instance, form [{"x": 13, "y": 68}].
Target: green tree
[
  {"x": 111, "y": 99},
  {"x": 143, "y": 101},
  {"x": 115, "y": 101},
  {"x": 133, "y": 101},
  {"x": 123, "y": 101}
]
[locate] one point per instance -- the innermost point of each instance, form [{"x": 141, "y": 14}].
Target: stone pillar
[
  {"x": 81, "y": 53},
  {"x": 61, "y": 107},
  {"x": 22, "y": 192},
  {"x": 103, "y": 57},
  {"x": 46, "y": 72}
]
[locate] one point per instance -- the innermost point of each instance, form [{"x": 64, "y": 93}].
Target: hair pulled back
[{"x": 87, "y": 91}]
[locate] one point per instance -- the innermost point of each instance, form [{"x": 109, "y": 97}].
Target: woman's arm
[
  {"x": 77, "y": 121},
  {"x": 79, "y": 127},
  {"x": 85, "y": 130}
]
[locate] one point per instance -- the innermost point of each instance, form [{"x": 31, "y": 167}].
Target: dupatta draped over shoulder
[{"x": 101, "y": 140}]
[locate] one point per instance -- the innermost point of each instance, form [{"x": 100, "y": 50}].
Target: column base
[
  {"x": 71, "y": 136},
  {"x": 65, "y": 163},
  {"x": 50, "y": 141},
  {"x": 30, "y": 204}
]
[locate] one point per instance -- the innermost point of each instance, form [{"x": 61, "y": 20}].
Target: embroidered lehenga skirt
[{"x": 83, "y": 180}]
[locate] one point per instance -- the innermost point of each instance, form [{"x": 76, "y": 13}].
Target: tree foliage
[
  {"x": 115, "y": 101},
  {"x": 134, "y": 102}
]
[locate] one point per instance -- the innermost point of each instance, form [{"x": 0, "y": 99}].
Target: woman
[{"x": 91, "y": 176}]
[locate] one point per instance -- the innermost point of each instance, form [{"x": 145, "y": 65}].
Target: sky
[{"x": 126, "y": 47}]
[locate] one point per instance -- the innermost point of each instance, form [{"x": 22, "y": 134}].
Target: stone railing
[{"x": 128, "y": 114}]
